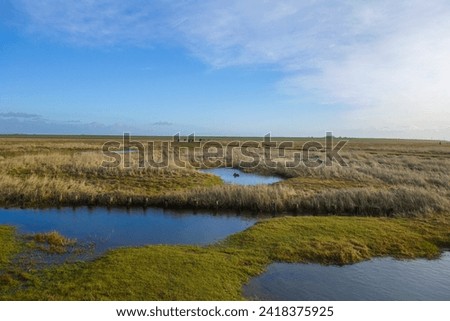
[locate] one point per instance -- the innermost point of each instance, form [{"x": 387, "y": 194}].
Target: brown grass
[
  {"x": 383, "y": 177},
  {"x": 52, "y": 242}
]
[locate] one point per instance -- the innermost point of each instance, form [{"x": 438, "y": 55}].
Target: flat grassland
[
  {"x": 383, "y": 177},
  {"x": 391, "y": 200}
]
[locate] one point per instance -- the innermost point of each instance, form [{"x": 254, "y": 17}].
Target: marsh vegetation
[
  {"x": 404, "y": 184},
  {"x": 383, "y": 178},
  {"x": 218, "y": 271}
]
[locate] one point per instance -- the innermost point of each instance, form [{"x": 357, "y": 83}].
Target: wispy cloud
[
  {"x": 290, "y": 34},
  {"x": 26, "y": 123},
  {"x": 162, "y": 123},
  {"x": 386, "y": 61},
  {"x": 52, "y": 127},
  {"x": 397, "y": 80},
  {"x": 96, "y": 22},
  {"x": 20, "y": 115}
]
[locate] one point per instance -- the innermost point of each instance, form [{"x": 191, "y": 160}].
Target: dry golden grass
[
  {"x": 383, "y": 178},
  {"x": 52, "y": 242},
  {"x": 73, "y": 177}
]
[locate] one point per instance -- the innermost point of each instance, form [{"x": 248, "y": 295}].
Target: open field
[
  {"x": 405, "y": 184},
  {"x": 383, "y": 178}
]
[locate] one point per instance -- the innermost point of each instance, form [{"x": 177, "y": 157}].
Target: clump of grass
[{"x": 52, "y": 242}]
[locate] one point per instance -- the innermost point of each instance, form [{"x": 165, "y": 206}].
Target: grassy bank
[
  {"x": 342, "y": 240},
  {"x": 217, "y": 272},
  {"x": 62, "y": 179}
]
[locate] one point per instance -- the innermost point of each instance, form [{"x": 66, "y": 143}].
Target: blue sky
[{"x": 292, "y": 68}]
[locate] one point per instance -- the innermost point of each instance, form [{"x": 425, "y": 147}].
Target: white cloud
[
  {"x": 399, "y": 80},
  {"x": 387, "y": 61},
  {"x": 247, "y": 32}
]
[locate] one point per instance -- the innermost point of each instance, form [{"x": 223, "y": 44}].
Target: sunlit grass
[{"x": 383, "y": 178}]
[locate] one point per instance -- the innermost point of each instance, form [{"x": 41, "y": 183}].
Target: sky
[{"x": 233, "y": 68}]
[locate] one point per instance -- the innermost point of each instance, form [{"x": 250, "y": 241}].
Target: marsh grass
[
  {"x": 383, "y": 178},
  {"x": 62, "y": 179},
  {"x": 52, "y": 242},
  {"x": 218, "y": 271},
  {"x": 339, "y": 240}
]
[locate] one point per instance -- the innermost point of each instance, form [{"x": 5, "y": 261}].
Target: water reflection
[
  {"x": 235, "y": 176},
  {"x": 111, "y": 228},
  {"x": 377, "y": 279}
]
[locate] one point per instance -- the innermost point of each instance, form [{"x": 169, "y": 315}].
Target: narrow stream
[{"x": 111, "y": 228}]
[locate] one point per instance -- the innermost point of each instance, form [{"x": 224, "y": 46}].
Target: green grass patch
[
  {"x": 148, "y": 273},
  {"x": 8, "y": 245},
  {"x": 336, "y": 240}
]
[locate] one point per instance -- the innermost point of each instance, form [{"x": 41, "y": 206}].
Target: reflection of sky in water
[
  {"x": 121, "y": 227},
  {"x": 243, "y": 179},
  {"x": 377, "y": 279}
]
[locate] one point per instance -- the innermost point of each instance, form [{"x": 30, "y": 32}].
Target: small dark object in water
[{"x": 235, "y": 175}]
